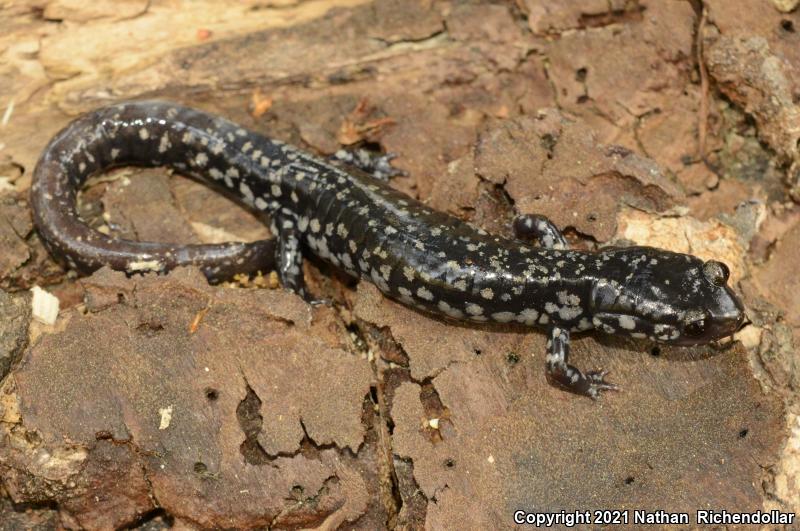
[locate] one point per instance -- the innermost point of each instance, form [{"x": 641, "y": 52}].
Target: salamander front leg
[
  {"x": 379, "y": 166},
  {"x": 563, "y": 375},
  {"x": 289, "y": 257},
  {"x": 540, "y": 229}
]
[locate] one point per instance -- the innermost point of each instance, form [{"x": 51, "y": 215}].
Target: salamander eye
[
  {"x": 716, "y": 272},
  {"x": 695, "y": 328}
]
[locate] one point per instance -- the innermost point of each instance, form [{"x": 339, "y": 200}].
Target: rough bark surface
[{"x": 159, "y": 402}]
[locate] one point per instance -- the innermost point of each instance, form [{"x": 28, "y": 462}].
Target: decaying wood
[{"x": 164, "y": 401}]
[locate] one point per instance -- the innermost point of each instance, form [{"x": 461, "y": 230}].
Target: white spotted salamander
[{"x": 420, "y": 257}]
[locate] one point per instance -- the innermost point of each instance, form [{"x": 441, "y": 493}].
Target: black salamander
[{"x": 423, "y": 258}]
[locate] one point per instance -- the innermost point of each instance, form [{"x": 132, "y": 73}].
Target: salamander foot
[
  {"x": 539, "y": 229},
  {"x": 561, "y": 374},
  {"x": 379, "y": 166}
]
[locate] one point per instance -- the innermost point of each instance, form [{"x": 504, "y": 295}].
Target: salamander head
[{"x": 668, "y": 297}]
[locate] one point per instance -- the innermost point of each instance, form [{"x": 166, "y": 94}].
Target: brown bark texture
[{"x": 162, "y": 401}]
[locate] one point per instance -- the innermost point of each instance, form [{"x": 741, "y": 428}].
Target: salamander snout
[
  {"x": 668, "y": 297},
  {"x": 718, "y": 313},
  {"x": 722, "y": 316}
]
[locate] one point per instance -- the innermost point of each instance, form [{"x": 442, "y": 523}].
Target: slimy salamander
[{"x": 423, "y": 258}]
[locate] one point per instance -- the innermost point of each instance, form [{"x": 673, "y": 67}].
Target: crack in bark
[
  {"x": 248, "y": 413},
  {"x": 632, "y": 12},
  {"x": 431, "y": 40},
  {"x": 414, "y": 502},
  {"x": 408, "y": 500},
  {"x": 392, "y": 500},
  {"x": 331, "y": 521},
  {"x": 149, "y": 519}
]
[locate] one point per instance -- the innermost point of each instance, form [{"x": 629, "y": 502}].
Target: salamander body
[{"x": 418, "y": 256}]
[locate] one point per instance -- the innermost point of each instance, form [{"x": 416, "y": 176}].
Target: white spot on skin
[
  {"x": 144, "y": 134},
  {"x": 347, "y": 261},
  {"x": 378, "y": 281},
  {"x": 503, "y": 317},
  {"x": 386, "y": 270},
  {"x": 246, "y": 192},
  {"x": 408, "y": 272},
  {"x": 164, "y": 144},
  {"x": 342, "y": 231},
  {"x": 487, "y": 293},
  {"x": 145, "y": 265},
  {"x": 474, "y": 309},
  {"x": 201, "y": 159},
  {"x": 324, "y": 252},
  {"x": 314, "y": 225},
  {"x": 528, "y": 316},
  {"x": 390, "y": 230},
  {"x": 569, "y": 299},
  {"x": 423, "y": 293},
  {"x": 604, "y": 327},
  {"x": 276, "y": 190},
  {"x": 627, "y": 322},
  {"x": 568, "y": 313},
  {"x": 450, "y": 311}
]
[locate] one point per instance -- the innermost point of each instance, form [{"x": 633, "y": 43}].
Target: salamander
[{"x": 423, "y": 258}]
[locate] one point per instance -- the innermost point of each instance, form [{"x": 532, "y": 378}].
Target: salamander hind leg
[
  {"x": 561, "y": 374},
  {"x": 379, "y": 166},
  {"x": 540, "y": 229}
]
